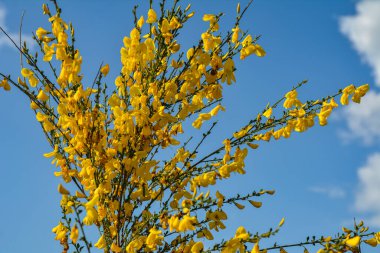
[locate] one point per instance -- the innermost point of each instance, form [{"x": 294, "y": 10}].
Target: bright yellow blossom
[
  {"x": 353, "y": 242},
  {"x": 235, "y": 34},
  {"x": 214, "y": 26},
  {"x": 74, "y": 234},
  {"x": 101, "y": 243},
  {"x": 115, "y": 248},
  {"x": 152, "y": 16},
  {"x": 5, "y": 84},
  {"x": 154, "y": 238},
  {"x": 105, "y": 69},
  {"x": 360, "y": 92},
  {"x": 42, "y": 96},
  {"x": 41, "y": 32},
  {"x": 268, "y": 112},
  {"x": 60, "y": 230},
  {"x": 63, "y": 190},
  {"x": 197, "y": 247},
  {"x": 255, "y": 248}
]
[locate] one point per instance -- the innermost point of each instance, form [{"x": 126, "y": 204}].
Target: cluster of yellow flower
[{"x": 299, "y": 116}]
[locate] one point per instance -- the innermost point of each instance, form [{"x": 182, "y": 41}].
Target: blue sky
[{"x": 323, "y": 178}]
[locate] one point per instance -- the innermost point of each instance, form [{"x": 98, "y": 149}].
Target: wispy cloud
[
  {"x": 368, "y": 195},
  {"x": 4, "y": 40},
  {"x": 333, "y": 192},
  {"x": 363, "y": 31}
]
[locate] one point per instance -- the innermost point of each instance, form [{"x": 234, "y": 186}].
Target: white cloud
[
  {"x": 368, "y": 195},
  {"x": 363, "y": 30},
  {"x": 4, "y": 40},
  {"x": 363, "y": 120},
  {"x": 333, "y": 192}
]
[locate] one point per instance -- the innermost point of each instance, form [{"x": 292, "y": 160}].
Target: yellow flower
[
  {"x": 174, "y": 23},
  {"x": 5, "y": 84},
  {"x": 360, "y": 92},
  {"x": 165, "y": 30},
  {"x": 41, "y": 32},
  {"x": 346, "y": 93},
  {"x": 372, "y": 241},
  {"x": 259, "y": 51},
  {"x": 240, "y": 206},
  {"x": 187, "y": 223},
  {"x": 256, "y": 248},
  {"x": 344, "y": 99},
  {"x": 61, "y": 53},
  {"x": 228, "y": 71},
  {"x": 173, "y": 223},
  {"x": 205, "y": 233},
  {"x": 247, "y": 41},
  {"x": 105, "y": 69},
  {"x": 291, "y": 99},
  {"x": 353, "y": 242},
  {"x": 256, "y": 204},
  {"x": 252, "y": 145},
  {"x": 377, "y": 237},
  {"x": 220, "y": 198},
  {"x": 53, "y": 153},
  {"x": 227, "y": 145},
  {"x": 268, "y": 113},
  {"x": 349, "y": 89},
  {"x": 48, "y": 52},
  {"x": 74, "y": 234},
  {"x": 101, "y": 243},
  {"x": 208, "y": 42},
  {"x": 33, "y": 81},
  {"x": 154, "y": 238},
  {"x": 140, "y": 22},
  {"x": 152, "y": 16},
  {"x": 216, "y": 109},
  {"x": 42, "y": 96},
  {"x": 115, "y": 248},
  {"x": 62, "y": 190},
  {"x": 60, "y": 231},
  {"x": 241, "y": 233},
  {"x": 214, "y": 26},
  {"x": 26, "y": 72},
  {"x": 197, "y": 123},
  {"x": 197, "y": 247},
  {"x": 249, "y": 48},
  {"x": 235, "y": 34},
  {"x": 326, "y": 111},
  {"x": 242, "y": 132},
  {"x": 29, "y": 74}
]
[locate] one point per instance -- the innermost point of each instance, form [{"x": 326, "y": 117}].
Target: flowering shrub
[{"x": 106, "y": 141}]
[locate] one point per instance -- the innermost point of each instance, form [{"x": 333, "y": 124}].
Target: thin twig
[{"x": 20, "y": 37}]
